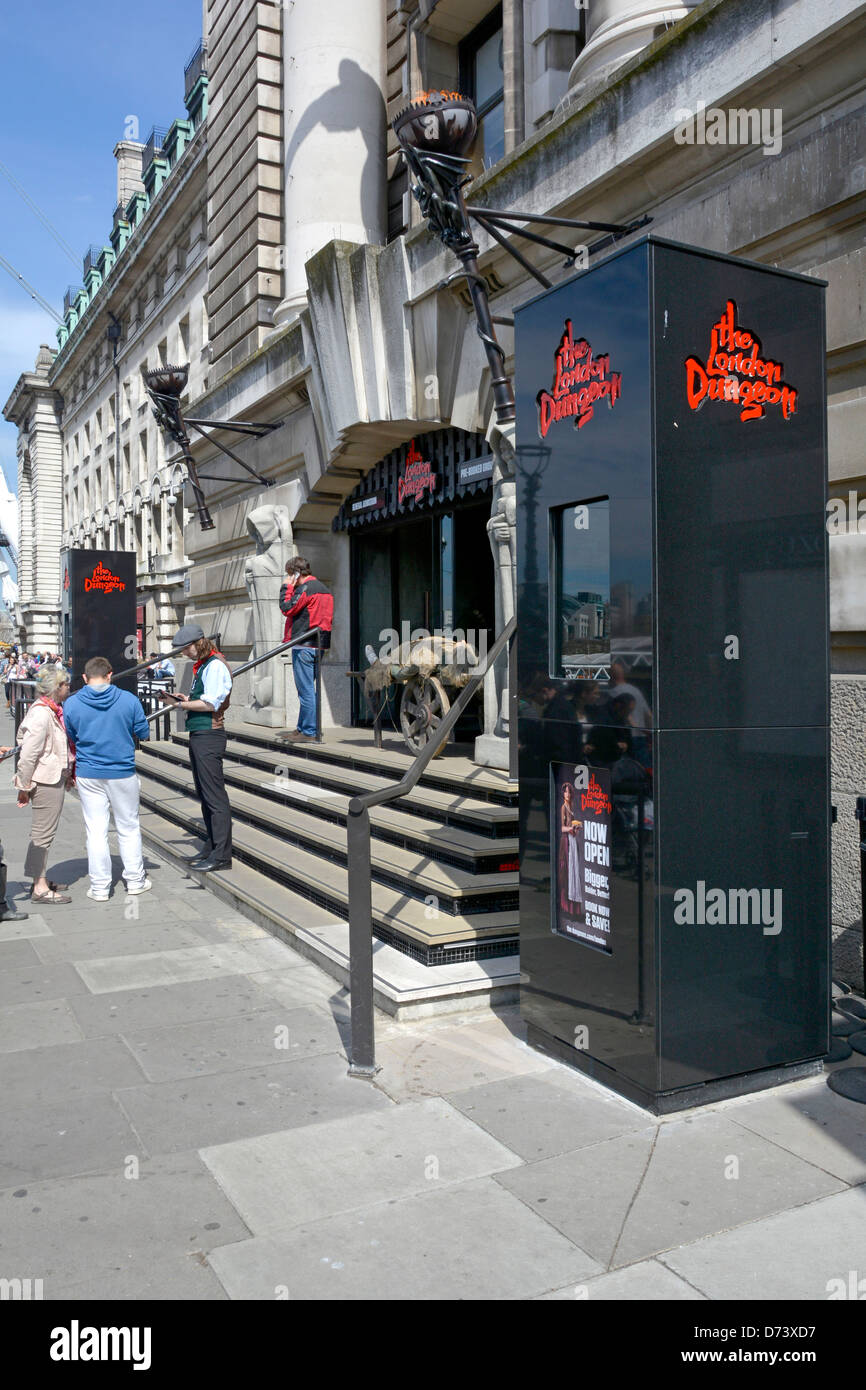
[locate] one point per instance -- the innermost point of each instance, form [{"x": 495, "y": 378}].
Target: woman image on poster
[{"x": 570, "y": 891}]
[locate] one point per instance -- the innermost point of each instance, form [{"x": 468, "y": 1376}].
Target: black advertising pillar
[
  {"x": 98, "y": 609},
  {"x": 673, "y": 673}
]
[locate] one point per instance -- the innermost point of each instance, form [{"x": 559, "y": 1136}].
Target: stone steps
[
  {"x": 443, "y": 858},
  {"x": 453, "y": 771},
  {"x": 457, "y": 891},
  {"x": 454, "y": 808},
  {"x": 419, "y": 832}
]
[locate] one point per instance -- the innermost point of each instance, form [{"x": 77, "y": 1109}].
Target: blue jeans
[{"x": 304, "y": 668}]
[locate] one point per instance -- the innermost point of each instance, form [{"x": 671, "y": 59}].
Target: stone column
[
  {"x": 492, "y": 748},
  {"x": 513, "y": 45},
  {"x": 334, "y": 121},
  {"x": 35, "y": 407},
  {"x": 25, "y": 526},
  {"x": 618, "y": 29}
]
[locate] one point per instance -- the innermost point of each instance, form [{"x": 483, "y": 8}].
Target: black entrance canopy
[{"x": 435, "y": 468}]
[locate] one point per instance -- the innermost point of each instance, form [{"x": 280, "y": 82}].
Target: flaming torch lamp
[
  {"x": 435, "y": 133},
  {"x": 165, "y": 386}
]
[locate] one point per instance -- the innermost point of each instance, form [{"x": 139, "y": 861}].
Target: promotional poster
[{"x": 582, "y": 855}]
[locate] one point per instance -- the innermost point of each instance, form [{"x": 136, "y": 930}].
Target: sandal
[
  {"x": 51, "y": 897},
  {"x": 55, "y": 887}
]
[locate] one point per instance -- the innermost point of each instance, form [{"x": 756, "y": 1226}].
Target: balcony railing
[
  {"x": 194, "y": 68},
  {"x": 153, "y": 144},
  {"x": 91, "y": 260}
]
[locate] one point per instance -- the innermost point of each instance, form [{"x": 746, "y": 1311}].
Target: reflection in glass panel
[
  {"x": 488, "y": 69},
  {"x": 582, "y": 613},
  {"x": 492, "y": 135},
  {"x": 446, "y": 569}
]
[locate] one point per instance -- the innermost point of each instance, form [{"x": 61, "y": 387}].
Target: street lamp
[
  {"x": 435, "y": 132},
  {"x": 165, "y": 386}
]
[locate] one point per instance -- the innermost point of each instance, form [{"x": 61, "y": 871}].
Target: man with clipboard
[{"x": 205, "y": 708}]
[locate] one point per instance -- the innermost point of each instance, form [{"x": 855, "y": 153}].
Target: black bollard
[
  {"x": 860, "y": 813},
  {"x": 850, "y": 1082}
]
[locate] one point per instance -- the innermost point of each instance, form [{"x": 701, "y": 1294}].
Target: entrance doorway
[{"x": 432, "y": 572}]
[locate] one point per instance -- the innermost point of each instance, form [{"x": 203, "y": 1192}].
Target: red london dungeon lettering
[
  {"x": 736, "y": 371},
  {"x": 580, "y": 382},
  {"x": 417, "y": 477},
  {"x": 103, "y": 580}
]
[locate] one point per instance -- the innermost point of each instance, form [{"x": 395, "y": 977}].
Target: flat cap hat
[{"x": 190, "y": 632}]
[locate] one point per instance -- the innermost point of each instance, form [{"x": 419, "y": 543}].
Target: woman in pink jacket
[{"x": 45, "y": 767}]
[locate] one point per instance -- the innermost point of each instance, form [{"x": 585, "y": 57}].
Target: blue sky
[{"x": 70, "y": 76}]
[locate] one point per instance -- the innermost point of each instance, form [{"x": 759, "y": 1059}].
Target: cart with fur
[{"x": 427, "y": 669}]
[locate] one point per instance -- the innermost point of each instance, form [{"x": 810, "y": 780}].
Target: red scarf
[
  {"x": 56, "y": 709},
  {"x": 196, "y": 664}
]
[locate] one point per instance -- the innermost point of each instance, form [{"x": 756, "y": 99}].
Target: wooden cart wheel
[{"x": 423, "y": 706}]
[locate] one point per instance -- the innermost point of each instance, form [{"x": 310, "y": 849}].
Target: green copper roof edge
[{"x": 73, "y": 331}]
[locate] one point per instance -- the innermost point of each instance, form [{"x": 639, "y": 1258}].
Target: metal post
[
  {"x": 362, "y": 1048},
  {"x": 512, "y": 709},
  {"x": 362, "y": 1059},
  {"x": 319, "y": 685},
  {"x": 861, "y": 816},
  {"x": 503, "y": 392}
]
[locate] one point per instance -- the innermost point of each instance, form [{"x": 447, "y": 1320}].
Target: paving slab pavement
[{"x": 177, "y": 1077}]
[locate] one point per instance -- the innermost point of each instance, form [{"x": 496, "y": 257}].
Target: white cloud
[{"x": 23, "y": 328}]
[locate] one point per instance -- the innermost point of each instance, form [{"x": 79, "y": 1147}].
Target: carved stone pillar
[
  {"x": 264, "y": 572},
  {"x": 618, "y": 29},
  {"x": 492, "y": 747}
]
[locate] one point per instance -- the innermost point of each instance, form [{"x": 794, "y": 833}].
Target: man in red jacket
[{"x": 307, "y": 604}]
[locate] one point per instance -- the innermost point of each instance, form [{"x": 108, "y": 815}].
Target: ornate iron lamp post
[
  {"x": 435, "y": 133},
  {"x": 165, "y": 386}
]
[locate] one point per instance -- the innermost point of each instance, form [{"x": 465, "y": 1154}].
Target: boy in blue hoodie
[{"x": 103, "y": 722}]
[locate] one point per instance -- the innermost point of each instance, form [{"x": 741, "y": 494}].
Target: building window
[{"x": 481, "y": 78}]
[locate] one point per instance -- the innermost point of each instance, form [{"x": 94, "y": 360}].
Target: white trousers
[{"x": 100, "y": 796}]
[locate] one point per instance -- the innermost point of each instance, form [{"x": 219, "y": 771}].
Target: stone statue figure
[
  {"x": 491, "y": 749},
  {"x": 264, "y": 572}
]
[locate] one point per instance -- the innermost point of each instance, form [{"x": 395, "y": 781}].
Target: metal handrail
[
  {"x": 362, "y": 1050},
  {"x": 238, "y": 670},
  {"x": 257, "y": 661},
  {"x": 17, "y": 716},
  {"x": 163, "y": 656}
]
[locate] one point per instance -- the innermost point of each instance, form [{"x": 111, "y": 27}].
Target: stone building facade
[
  {"x": 375, "y": 352},
  {"x": 93, "y": 469},
  {"x": 324, "y": 292}
]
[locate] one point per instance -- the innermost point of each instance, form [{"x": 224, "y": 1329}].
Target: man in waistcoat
[{"x": 205, "y": 708}]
